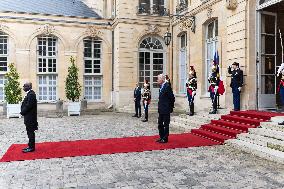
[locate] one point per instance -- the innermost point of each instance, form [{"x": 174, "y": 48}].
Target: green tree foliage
[
  {"x": 72, "y": 87},
  {"x": 12, "y": 87}
]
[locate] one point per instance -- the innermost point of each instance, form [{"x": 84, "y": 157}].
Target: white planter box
[
  {"x": 74, "y": 108},
  {"x": 14, "y": 110}
]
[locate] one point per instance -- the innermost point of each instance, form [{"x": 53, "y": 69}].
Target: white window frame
[
  {"x": 93, "y": 75},
  {"x": 93, "y": 86},
  {"x": 47, "y": 73},
  {"x": 2, "y": 73},
  {"x": 182, "y": 67},
  {"x": 208, "y": 61}
]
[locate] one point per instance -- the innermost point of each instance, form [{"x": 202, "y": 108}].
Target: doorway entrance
[
  {"x": 151, "y": 63},
  {"x": 270, "y": 22}
]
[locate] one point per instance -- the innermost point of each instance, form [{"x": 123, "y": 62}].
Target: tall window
[
  {"x": 47, "y": 68},
  {"x": 151, "y": 7},
  {"x": 211, "y": 47},
  {"x": 182, "y": 63},
  {"x": 93, "y": 69},
  {"x": 182, "y": 5},
  {"x": 3, "y": 62}
]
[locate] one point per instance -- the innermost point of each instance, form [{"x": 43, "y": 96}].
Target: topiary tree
[
  {"x": 72, "y": 87},
  {"x": 12, "y": 89}
]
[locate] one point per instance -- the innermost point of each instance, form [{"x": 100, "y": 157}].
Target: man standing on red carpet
[
  {"x": 29, "y": 111},
  {"x": 165, "y": 108}
]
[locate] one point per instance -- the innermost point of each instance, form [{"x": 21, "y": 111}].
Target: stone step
[
  {"x": 268, "y": 133},
  {"x": 261, "y": 151},
  {"x": 260, "y": 140},
  {"x": 272, "y": 126},
  {"x": 277, "y": 119},
  {"x": 206, "y": 118}
]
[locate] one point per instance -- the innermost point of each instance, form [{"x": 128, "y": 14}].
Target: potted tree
[
  {"x": 13, "y": 95},
  {"x": 73, "y": 89}
]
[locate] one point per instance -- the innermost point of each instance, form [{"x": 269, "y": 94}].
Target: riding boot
[{"x": 191, "y": 109}]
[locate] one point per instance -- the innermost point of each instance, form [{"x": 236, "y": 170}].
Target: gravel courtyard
[{"x": 205, "y": 167}]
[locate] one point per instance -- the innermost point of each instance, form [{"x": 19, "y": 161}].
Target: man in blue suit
[
  {"x": 236, "y": 84},
  {"x": 165, "y": 108},
  {"x": 137, "y": 101}
]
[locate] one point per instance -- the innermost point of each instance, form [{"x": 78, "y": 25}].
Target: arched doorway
[{"x": 152, "y": 61}]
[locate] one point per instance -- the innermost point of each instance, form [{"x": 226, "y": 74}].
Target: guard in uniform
[
  {"x": 146, "y": 96},
  {"x": 281, "y": 92},
  {"x": 236, "y": 84},
  {"x": 214, "y": 81},
  {"x": 191, "y": 87}
]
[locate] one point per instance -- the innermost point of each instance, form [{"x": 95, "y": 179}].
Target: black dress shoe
[
  {"x": 25, "y": 148},
  {"x": 145, "y": 120},
  {"x": 158, "y": 140},
  {"x": 139, "y": 116},
  {"x": 163, "y": 141},
  {"x": 213, "y": 112},
  {"x": 134, "y": 116},
  {"x": 28, "y": 150},
  {"x": 282, "y": 123}
]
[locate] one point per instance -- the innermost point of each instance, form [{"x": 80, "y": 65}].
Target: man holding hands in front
[{"x": 165, "y": 108}]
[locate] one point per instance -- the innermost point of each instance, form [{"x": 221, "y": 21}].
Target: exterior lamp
[{"x": 167, "y": 38}]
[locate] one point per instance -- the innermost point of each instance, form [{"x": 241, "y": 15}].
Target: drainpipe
[{"x": 112, "y": 71}]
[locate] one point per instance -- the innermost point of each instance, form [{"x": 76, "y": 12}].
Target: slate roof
[{"x": 73, "y": 8}]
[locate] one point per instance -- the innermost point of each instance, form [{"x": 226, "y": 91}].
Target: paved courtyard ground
[{"x": 205, "y": 167}]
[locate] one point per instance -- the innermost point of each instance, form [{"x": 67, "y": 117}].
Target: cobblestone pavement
[{"x": 205, "y": 167}]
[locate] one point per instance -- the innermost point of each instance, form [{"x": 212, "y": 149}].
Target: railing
[{"x": 155, "y": 10}]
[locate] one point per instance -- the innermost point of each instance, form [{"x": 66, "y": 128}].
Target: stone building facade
[{"x": 117, "y": 43}]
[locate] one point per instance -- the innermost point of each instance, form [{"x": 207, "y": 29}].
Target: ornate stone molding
[
  {"x": 46, "y": 29},
  {"x": 231, "y": 4},
  {"x": 92, "y": 31},
  {"x": 153, "y": 29},
  {"x": 209, "y": 12},
  {"x": 3, "y": 27}
]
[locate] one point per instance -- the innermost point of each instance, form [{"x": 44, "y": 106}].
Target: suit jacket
[
  {"x": 137, "y": 93},
  {"x": 237, "y": 78},
  {"x": 166, "y": 100},
  {"x": 29, "y": 110}
]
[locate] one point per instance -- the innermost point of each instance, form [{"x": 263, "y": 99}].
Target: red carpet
[
  {"x": 229, "y": 126},
  {"x": 103, "y": 146}
]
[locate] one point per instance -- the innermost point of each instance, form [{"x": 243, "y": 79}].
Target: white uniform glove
[
  {"x": 240, "y": 88},
  {"x": 193, "y": 93},
  {"x": 216, "y": 88}
]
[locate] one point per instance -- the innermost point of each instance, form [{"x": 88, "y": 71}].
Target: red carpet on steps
[
  {"x": 229, "y": 126},
  {"x": 49, "y": 150}
]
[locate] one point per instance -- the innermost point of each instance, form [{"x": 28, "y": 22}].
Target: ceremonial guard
[
  {"x": 137, "y": 101},
  {"x": 146, "y": 96},
  {"x": 281, "y": 92},
  {"x": 191, "y": 86},
  {"x": 214, "y": 81},
  {"x": 236, "y": 84}
]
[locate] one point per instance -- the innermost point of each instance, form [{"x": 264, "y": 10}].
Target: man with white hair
[
  {"x": 29, "y": 111},
  {"x": 165, "y": 108}
]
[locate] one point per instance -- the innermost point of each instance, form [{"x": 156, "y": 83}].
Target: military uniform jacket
[
  {"x": 146, "y": 95},
  {"x": 237, "y": 78},
  {"x": 214, "y": 81}
]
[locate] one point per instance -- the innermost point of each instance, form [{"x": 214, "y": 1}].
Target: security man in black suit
[
  {"x": 236, "y": 84},
  {"x": 165, "y": 108},
  {"x": 137, "y": 101},
  {"x": 29, "y": 111}
]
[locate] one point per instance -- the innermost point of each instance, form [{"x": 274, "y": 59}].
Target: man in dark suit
[
  {"x": 165, "y": 108},
  {"x": 236, "y": 84},
  {"x": 29, "y": 111},
  {"x": 137, "y": 101}
]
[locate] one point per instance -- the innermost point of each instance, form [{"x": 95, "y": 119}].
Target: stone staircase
[
  {"x": 184, "y": 122},
  {"x": 266, "y": 141}
]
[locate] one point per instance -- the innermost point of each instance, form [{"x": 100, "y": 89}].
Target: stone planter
[
  {"x": 14, "y": 110},
  {"x": 74, "y": 108}
]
